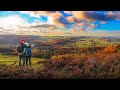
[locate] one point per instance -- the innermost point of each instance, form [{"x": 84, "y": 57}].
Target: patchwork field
[{"x": 62, "y": 58}]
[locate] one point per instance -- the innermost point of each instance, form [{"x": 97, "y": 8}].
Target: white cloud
[
  {"x": 53, "y": 16},
  {"x": 15, "y": 23},
  {"x": 11, "y": 22}
]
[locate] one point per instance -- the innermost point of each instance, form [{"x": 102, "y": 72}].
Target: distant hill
[{"x": 13, "y": 40}]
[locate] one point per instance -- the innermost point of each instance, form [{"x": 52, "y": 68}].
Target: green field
[
  {"x": 87, "y": 42},
  {"x": 9, "y": 59}
]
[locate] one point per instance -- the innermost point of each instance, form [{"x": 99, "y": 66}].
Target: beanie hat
[{"x": 22, "y": 40}]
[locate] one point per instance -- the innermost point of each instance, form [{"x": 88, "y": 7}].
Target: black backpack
[{"x": 20, "y": 48}]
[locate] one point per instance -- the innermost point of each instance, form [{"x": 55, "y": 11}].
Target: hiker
[
  {"x": 21, "y": 48},
  {"x": 28, "y": 54}
]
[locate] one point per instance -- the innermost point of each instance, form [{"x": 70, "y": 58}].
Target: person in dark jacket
[{"x": 21, "y": 48}]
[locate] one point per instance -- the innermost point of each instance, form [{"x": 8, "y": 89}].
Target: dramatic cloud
[
  {"x": 78, "y": 16},
  {"x": 60, "y": 22},
  {"x": 91, "y": 16},
  {"x": 70, "y": 19},
  {"x": 53, "y": 16},
  {"x": 108, "y": 16}
]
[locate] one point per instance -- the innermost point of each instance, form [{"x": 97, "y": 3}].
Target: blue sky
[{"x": 60, "y": 22}]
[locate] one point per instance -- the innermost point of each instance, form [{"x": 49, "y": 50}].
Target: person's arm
[
  {"x": 23, "y": 51},
  {"x": 16, "y": 48}
]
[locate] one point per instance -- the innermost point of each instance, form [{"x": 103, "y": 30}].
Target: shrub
[{"x": 110, "y": 49}]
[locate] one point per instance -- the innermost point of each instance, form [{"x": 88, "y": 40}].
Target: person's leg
[
  {"x": 26, "y": 60},
  {"x": 23, "y": 61},
  {"x": 30, "y": 61},
  {"x": 19, "y": 60}
]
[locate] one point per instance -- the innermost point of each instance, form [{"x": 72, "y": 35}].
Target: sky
[{"x": 60, "y": 23}]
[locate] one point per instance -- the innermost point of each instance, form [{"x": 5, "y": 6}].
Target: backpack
[
  {"x": 20, "y": 48},
  {"x": 28, "y": 52}
]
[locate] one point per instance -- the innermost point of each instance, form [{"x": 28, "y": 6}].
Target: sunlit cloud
[
  {"x": 60, "y": 23},
  {"x": 11, "y": 22}
]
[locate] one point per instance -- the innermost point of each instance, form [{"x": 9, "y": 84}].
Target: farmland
[{"x": 62, "y": 57}]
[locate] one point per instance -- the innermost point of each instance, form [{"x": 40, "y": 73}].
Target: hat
[{"x": 22, "y": 40}]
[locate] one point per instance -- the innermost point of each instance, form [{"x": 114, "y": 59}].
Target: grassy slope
[{"x": 8, "y": 60}]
